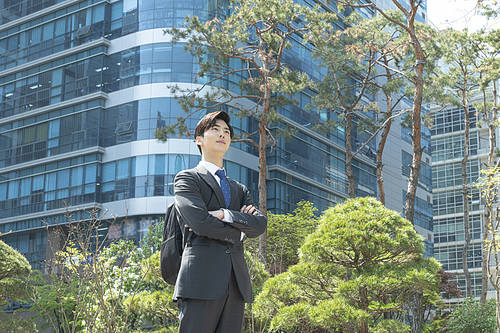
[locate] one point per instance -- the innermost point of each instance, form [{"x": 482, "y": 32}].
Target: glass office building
[
  {"x": 447, "y": 154},
  {"x": 83, "y": 87}
]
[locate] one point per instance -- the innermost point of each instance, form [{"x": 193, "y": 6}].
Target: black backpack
[{"x": 172, "y": 245}]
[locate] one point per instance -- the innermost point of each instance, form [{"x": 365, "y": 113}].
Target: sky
[{"x": 457, "y": 14}]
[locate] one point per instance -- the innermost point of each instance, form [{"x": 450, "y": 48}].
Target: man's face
[{"x": 215, "y": 140}]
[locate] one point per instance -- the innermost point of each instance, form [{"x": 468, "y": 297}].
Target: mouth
[{"x": 221, "y": 142}]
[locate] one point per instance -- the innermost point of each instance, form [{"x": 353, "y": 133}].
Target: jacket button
[{"x": 228, "y": 251}]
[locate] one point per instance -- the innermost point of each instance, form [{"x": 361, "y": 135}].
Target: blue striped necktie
[{"x": 224, "y": 184}]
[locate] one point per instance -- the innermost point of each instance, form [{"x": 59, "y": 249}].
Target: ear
[{"x": 198, "y": 140}]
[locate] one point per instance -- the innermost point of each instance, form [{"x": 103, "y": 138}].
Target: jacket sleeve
[
  {"x": 251, "y": 225},
  {"x": 193, "y": 211}
]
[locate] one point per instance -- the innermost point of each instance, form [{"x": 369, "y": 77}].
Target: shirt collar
[{"x": 212, "y": 168}]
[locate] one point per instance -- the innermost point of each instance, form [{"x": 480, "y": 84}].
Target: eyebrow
[{"x": 216, "y": 125}]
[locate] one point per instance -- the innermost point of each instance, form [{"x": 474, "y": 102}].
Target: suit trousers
[{"x": 223, "y": 315}]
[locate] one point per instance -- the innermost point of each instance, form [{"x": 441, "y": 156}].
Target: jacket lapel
[{"x": 210, "y": 180}]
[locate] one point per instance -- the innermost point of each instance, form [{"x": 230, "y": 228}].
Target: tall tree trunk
[
  {"x": 465, "y": 192},
  {"x": 416, "y": 120},
  {"x": 495, "y": 276},
  {"x": 380, "y": 150},
  {"x": 348, "y": 154},
  {"x": 417, "y": 309},
  {"x": 263, "y": 169},
  {"x": 491, "y": 151},
  {"x": 488, "y": 218}
]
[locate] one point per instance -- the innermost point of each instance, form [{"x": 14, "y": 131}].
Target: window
[
  {"x": 452, "y": 229},
  {"x": 451, "y": 256},
  {"x": 425, "y": 174},
  {"x": 452, "y": 120},
  {"x": 90, "y": 173},
  {"x": 38, "y": 183},
  {"x": 451, "y": 202},
  {"x": 108, "y": 172},
  {"x": 233, "y": 170},
  {"x": 98, "y": 13},
  {"x": 60, "y": 26},
  {"x": 141, "y": 165},
  {"x": 129, "y": 5},
  {"x": 29, "y": 134},
  {"x": 116, "y": 10},
  {"x": 50, "y": 181},
  {"x": 26, "y": 187},
  {"x": 77, "y": 176},
  {"x": 3, "y": 191},
  {"x": 36, "y": 35},
  {"x": 12, "y": 42},
  {"x": 180, "y": 163},
  {"x": 48, "y": 31},
  {"x": 451, "y": 147},
  {"x": 13, "y": 189},
  {"x": 450, "y": 174},
  {"x": 160, "y": 165},
  {"x": 122, "y": 169},
  {"x": 63, "y": 178}
]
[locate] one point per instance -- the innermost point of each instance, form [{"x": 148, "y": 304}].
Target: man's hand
[
  {"x": 250, "y": 209},
  {"x": 217, "y": 213}
]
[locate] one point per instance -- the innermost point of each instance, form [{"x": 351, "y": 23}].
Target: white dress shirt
[{"x": 212, "y": 168}]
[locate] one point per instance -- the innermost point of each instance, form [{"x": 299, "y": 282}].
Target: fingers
[
  {"x": 186, "y": 226},
  {"x": 250, "y": 209}
]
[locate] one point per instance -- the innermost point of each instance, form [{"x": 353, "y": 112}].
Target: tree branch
[
  {"x": 250, "y": 141},
  {"x": 378, "y": 130}
]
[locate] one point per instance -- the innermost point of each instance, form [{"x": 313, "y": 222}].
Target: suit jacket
[{"x": 215, "y": 247}]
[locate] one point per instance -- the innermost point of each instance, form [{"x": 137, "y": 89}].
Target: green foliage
[
  {"x": 489, "y": 8},
  {"x": 152, "y": 241},
  {"x": 286, "y": 233},
  {"x": 363, "y": 260},
  {"x": 153, "y": 303},
  {"x": 456, "y": 83},
  {"x": 12, "y": 263},
  {"x": 473, "y": 317},
  {"x": 360, "y": 234},
  {"x": 14, "y": 287},
  {"x": 55, "y": 303},
  {"x": 14, "y": 269},
  {"x": 487, "y": 74},
  {"x": 12, "y": 323},
  {"x": 391, "y": 326},
  {"x": 116, "y": 288},
  {"x": 258, "y": 275}
]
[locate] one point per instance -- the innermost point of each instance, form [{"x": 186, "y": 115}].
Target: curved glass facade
[
  {"x": 75, "y": 182},
  {"x": 90, "y": 20},
  {"x": 52, "y": 117}
]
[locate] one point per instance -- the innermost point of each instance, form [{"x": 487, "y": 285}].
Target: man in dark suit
[{"x": 213, "y": 282}]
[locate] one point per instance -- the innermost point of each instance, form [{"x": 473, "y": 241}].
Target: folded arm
[
  {"x": 193, "y": 211},
  {"x": 252, "y": 224}
]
